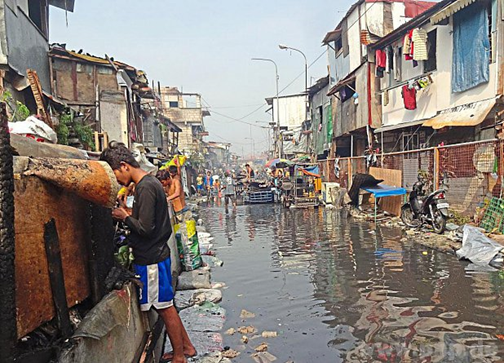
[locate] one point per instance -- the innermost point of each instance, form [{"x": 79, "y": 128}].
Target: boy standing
[{"x": 150, "y": 230}]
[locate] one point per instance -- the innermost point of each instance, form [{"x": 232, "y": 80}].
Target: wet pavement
[{"x": 336, "y": 290}]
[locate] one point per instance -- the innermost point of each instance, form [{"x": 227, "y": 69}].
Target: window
[
  {"x": 105, "y": 70},
  {"x": 173, "y": 104},
  {"x": 410, "y": 142},
  {"x": 338, "y": 46},
  {"x": 346, "y": 92},
  {"x": 37, "y": 14},
  {"x": 84, "y": 68},
  {"x": 430, "y": 64}
]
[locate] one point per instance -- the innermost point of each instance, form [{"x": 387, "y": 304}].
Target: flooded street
[{"x": 335, "y": 290}]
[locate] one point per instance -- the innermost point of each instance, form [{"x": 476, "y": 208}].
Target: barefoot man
[{"x": 150, "y": 230}]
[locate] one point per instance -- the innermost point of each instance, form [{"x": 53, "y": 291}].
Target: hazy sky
[{"x": 206, "y": 47}]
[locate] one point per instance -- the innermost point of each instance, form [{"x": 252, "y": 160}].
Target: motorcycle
[{"x": 431, "y": 209}]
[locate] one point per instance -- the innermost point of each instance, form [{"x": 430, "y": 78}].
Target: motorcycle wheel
[
  {"x": 408, "y": 217},
  {"x": 439, "y": 222}
]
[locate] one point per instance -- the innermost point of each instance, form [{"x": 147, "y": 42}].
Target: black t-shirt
[{"x": 149, "y": 223}]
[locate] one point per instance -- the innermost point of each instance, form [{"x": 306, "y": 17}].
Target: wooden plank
[
  {"x": 32, "y": 276},
  {"x": 38, "y": 95},
  {"x": 56, "y": 277},
  {"x": 390, "y": 177}
]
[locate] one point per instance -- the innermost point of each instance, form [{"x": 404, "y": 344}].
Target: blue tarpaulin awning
[{"x": 383, "y": 190}]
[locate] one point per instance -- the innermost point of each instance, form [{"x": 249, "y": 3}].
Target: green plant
[
  {"x": 69, "y": 124},
  {"x": 19, "y": 111}
]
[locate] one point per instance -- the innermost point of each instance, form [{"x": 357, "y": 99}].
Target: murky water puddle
[{"x": 337, "y": 291}]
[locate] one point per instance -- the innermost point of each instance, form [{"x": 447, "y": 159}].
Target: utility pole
[{"x": 277, "y": 132}]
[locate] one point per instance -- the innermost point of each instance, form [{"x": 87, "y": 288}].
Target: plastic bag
[
  {"x": 188, "y": 245},
  {"x": 478, "y": 248},
  {"x": 34, "y": 128}
]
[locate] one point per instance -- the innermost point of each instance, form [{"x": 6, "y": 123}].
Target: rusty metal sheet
[
  {"x": 89, "y": 179},
  {"x": 36, "y": 202}
]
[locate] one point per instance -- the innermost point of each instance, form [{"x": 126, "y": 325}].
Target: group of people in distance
[{"x": 216, "y": 186}]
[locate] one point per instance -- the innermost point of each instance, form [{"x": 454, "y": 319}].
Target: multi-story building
[
  {"x": 185, "y": 111},
  {"x": 352, "y": 78}
]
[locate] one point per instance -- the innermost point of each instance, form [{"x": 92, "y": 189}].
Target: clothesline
[{"x": 402, "y": 83}]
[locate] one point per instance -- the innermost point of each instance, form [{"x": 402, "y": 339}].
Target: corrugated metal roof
[
  {"x": 55, "y": 51},
  {"x": 450, "y": 10}
]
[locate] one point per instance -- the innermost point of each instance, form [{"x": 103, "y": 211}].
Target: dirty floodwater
[{"x": 338, "y": 290}]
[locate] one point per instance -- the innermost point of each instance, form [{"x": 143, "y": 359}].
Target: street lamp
[
  {"x": 285, "y": 47},
  {"x": 278, "y": 103}
]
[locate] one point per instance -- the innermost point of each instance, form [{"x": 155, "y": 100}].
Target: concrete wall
[
  {"x": 193, "y": 115},
  {"x": 438, "y": 96},
  {"x": 114, "y": 116},
  {"x": 292, "y": 111},
  {"x": 186, "y": 141},
  {"x": 26, "y": 45}
]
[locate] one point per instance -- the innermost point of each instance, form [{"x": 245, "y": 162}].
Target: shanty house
[{"x": 352, "y": 78}]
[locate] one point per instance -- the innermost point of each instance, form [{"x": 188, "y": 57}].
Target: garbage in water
[
  {"x": 230, "y": 353},
  {"x": 269, "y": 334},
  {"x": 212, "y": 261},
  {"x": 230, "y": 331},
  {"x": 218, "y": 285},
  {"x": 244, "y": 339},
  {"x": 214, "y": 357},
  {"x": 246, "y": 314},
  {"x": 247, "y": 329},
  {"x": 261, "y": 347},
  {"x": 263, "y": 357},
  {"x": 478, "y": 248}
]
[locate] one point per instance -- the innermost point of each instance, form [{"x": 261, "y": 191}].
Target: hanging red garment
[
  {"x": 408, "y": 50},
  {"x": 381, "y": 59},
  {"x": 409, "y": 97}
]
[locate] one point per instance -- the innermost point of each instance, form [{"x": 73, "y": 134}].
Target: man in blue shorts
[{"x": 150, "y": 229}]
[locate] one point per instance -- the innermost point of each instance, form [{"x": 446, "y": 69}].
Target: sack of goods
[{"x": 188, "y": 245}]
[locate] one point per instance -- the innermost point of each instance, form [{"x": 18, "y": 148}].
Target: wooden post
[
  {"x": 349, "y": 176},
  {"x": 97, "y": 141},
  {"x": 2, "y": 76},
  {"x": 57, "y": 278},
  {"x": 437, "y": 168},
  {"x": 8, "y": 328}
]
